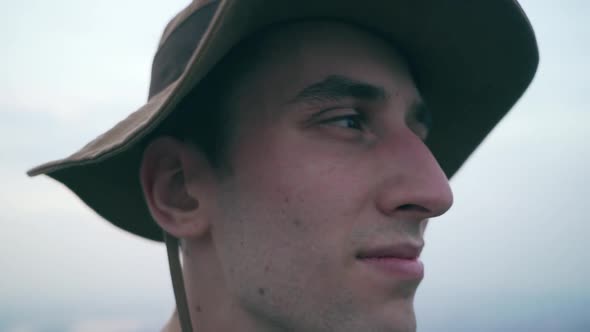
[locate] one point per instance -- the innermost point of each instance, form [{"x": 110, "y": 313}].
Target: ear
[{"x": 178, "y": 184}]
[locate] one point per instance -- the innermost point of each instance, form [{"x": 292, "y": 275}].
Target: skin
[{"x": 273, "y": 244}]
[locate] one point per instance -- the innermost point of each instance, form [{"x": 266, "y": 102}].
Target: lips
[
  {"x": 398, "y": 260},
  {"x": 402, "y": 251}
]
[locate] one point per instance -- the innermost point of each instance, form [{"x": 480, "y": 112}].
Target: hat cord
[{"x": 178, "y": 283}]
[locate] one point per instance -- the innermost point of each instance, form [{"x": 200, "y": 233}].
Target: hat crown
[{"x": 179, "y": 41}]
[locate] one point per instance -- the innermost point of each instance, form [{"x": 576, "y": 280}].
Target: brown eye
[{"x": 352, "y": 121}]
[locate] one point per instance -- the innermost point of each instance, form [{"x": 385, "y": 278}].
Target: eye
[{"x": 354, "y": 121}]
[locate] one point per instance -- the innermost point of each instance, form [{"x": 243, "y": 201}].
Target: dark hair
[
  {"x": 205, "y": 117},
  {"x": 201, "y": 118}
]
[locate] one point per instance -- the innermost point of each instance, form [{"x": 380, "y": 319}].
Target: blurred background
[{"x": 512, "y": 254}]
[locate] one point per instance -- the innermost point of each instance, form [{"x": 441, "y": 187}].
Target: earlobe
[{"x": 166, "y": 186}]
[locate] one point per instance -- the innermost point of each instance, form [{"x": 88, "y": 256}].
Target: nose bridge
[{"x": 412, "y": 180}]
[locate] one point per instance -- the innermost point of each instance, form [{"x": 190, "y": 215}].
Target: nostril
[{"x": 412, "y": 208}]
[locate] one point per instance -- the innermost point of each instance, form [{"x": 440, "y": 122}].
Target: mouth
[{"x": 398, "y": 261}]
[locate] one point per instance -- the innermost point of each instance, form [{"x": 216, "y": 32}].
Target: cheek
[
  {"x": 299, "y": 187},
  {"x": 278, "y": 211},
  {"x": 290, "y": 189},
  {"x": 302, "y": 195},
  {"x": 285, "y": 224},
  {"x": 271, "y": 252}
]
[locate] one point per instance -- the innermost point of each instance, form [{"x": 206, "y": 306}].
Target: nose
[{"x": 413, "y": 185}]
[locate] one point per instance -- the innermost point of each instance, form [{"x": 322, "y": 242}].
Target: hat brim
[{"x": 472, "y": 60}]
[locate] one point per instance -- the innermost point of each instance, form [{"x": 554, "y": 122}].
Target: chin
[
  {"x": 399, "y": 317},
  {"x": 404, "y": 324}
]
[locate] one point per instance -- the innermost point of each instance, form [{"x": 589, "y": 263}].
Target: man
[{"x": 298, "y": 149}]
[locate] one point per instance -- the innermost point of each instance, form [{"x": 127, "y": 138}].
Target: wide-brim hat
[{"x": 472, "y": 60}]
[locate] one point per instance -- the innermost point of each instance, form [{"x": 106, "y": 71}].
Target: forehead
[{"x": 294, "y": 55}]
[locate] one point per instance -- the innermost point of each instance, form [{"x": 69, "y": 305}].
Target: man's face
[{"x": 331, "y": 184}]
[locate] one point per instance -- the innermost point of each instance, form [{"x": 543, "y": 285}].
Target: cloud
[{"x": 22, "y": 328}]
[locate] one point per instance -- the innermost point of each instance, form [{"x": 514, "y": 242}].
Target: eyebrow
[{"x": 336, "y": 87}]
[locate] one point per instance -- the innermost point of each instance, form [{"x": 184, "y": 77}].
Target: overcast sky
[{"x": 512, "y": 255}]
